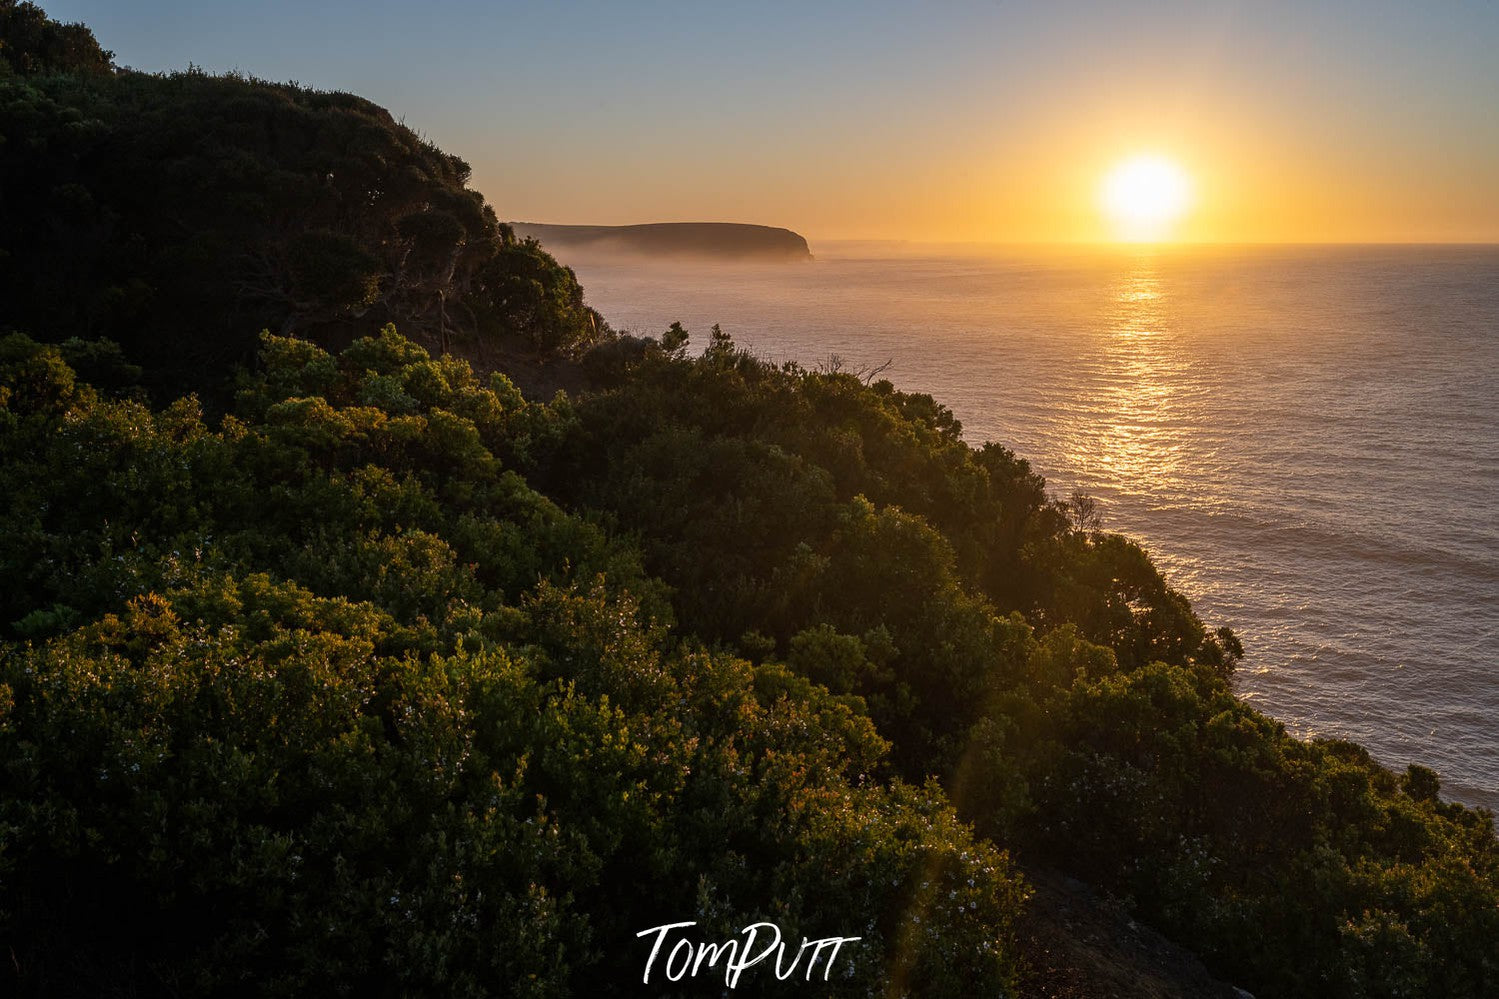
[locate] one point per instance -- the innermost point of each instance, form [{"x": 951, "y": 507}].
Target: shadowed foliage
[
  {"x": 31, "y": 42},
  {"x": 179, "y": 215}
]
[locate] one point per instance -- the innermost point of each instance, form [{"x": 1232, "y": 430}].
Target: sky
[{"x": 937, "y": 121}]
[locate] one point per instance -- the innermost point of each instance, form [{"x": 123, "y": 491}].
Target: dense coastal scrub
[
  {"x": 328, "y": 700},
  {"x": 367, "y": 673},
  {"x": 1072, "y": 703},
  {"x": 180, "y": 214}
]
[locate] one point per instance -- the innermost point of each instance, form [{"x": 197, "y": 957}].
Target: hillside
[
  {"x": 178, "y": 215},
  {"x": 375, "y": 674},
  {"x": 705, "y": 240}
]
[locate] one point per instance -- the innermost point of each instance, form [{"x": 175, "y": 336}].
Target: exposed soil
[{"x": 1077, "y": 945}]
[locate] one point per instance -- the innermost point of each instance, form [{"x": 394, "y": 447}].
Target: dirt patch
[{"x": 1077, "y": 945}]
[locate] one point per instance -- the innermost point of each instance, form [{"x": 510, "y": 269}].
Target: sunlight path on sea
[{"x": 1136, "y": 379}]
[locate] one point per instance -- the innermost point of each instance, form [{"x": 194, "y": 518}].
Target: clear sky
[{"x": 1336, "y": 121}]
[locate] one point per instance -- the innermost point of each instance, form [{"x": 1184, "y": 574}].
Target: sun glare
[{"x": 1144, "y": 197}]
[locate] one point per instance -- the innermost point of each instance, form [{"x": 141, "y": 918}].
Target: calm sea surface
[{"x": 1306, "y": 439}]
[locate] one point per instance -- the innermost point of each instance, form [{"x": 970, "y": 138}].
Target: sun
[{"x": 1145, "y": 196}]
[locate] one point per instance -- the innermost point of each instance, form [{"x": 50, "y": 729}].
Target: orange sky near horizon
[
  {"x": 1336, "y": 121},
  {"x": 1260, "y": 174}
]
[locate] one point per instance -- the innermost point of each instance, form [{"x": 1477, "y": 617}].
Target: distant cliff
[{"x": 721, "y": 240}]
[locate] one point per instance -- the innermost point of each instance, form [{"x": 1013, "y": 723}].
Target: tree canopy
[{"x": 31, "y": 42}]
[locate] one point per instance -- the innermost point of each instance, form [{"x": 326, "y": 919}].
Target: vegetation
[
  {"x": 383, "y": 678},
  {"x": 179, "y": 215},
  {"x": 1076, "y": 709},
  {"x": 328, "y": 700},
  {"x": 31, "y": 42}
]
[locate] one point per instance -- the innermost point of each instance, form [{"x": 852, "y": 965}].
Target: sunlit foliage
[{"x": 329, "y": 700}]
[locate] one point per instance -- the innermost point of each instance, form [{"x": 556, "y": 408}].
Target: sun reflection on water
[{"x": 1136, "y": 384}]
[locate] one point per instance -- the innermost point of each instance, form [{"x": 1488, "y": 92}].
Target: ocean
[{"x": 1306, "y": 439}]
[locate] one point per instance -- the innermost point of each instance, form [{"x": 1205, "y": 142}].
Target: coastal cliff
[
  {"x": 718, "y": 240},
  {"x": 343, "y": 664}
]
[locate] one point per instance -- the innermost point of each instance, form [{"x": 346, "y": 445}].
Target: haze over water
[{"x": 1306, "y": 439}]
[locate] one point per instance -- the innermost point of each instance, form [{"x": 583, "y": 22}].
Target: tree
[
  {"x": 1083, "y": 511},
  {"x": 33, "y": 43}
]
